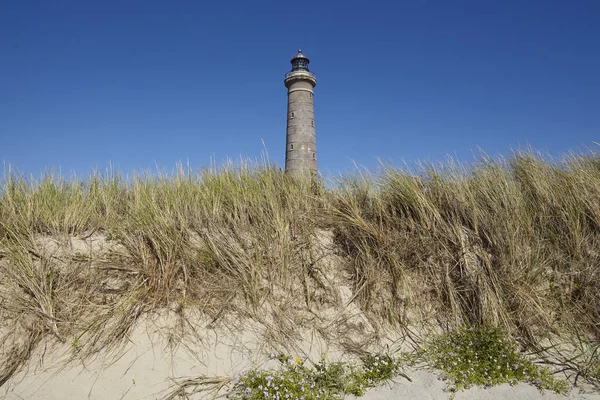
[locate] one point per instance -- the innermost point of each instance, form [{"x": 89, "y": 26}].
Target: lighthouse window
[
  {"x": 312, "y": 122},
  {"x": 314, "y": 156},
  {"x": 292, "y": 115},
  {"x": 291, "y": 147}
]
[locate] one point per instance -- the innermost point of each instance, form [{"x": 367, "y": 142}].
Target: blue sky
[{"x": 146, "y": 83}]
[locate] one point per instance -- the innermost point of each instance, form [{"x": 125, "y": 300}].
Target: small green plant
[
  {"x": 483, "y": 356},
  {"x": 324, "y": 380},
  {"x": 379, "y": 368}
]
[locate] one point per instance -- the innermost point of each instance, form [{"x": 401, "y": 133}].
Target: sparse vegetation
[
  {"x": 511, "y": 244},
  {"x": 321, "y": 381},
  {"x": 483, "y": 356}
]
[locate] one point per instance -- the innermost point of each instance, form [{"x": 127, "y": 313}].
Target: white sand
[
  {"x": 426, "y": 385},
  {"x": 143, "y": 369}
]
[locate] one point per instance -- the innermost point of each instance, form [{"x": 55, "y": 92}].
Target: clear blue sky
[{"x": 146, "y": 83}]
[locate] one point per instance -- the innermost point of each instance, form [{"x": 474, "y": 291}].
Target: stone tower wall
[{"x": 301, "y": 149}]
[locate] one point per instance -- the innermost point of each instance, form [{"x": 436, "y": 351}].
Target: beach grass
[{"x": 509, "y": 243}]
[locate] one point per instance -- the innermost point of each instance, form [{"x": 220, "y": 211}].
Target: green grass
[{"x": 510, "y": 243}]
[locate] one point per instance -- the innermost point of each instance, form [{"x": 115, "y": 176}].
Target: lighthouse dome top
[
  {"x": 300, "y": 62},
  {"x": 300, "y": 71},
  {"x": 300, "y": 55}
]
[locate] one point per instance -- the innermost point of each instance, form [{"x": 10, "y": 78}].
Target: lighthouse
[{"x": 301, "y": 149}]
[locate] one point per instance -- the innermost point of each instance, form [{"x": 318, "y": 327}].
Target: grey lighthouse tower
[{"x": 301, "y": 149}]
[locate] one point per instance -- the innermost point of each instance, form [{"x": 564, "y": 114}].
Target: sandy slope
[
  {"x": 143, "y": 369},
  {"x": 146, "y": 366}
]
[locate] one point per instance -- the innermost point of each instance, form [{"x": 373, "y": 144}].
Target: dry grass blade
[{"x": 209, "y": 386}]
